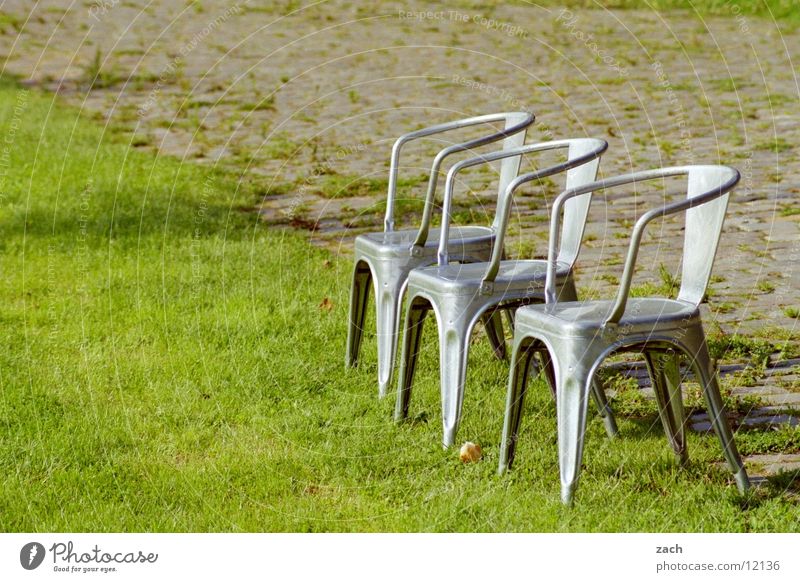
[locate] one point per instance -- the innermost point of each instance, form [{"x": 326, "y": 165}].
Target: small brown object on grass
[{"x": 470, "y": 453}]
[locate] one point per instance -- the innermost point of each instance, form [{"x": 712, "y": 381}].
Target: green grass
[
  {"x": 778, "y": 9},
  {"x": 765, "y": 286},
  {"x": 789, "y": 211},
  {"x": 776, "y": 145},
  {"x": 341, "y": 186},
  {"x": 792, "y": 312},
  {"x": 169, "y": 364},
  {"x": 768, "y": 441},
  {"x": 738, "y": 347}
]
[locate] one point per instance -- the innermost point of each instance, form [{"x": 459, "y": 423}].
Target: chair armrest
[
  {"x": 595, "y": 148},
  {"x": 729, "y": 177},
  {"x": 638, "y": 230},
  {"x": 581, "y": 153}
]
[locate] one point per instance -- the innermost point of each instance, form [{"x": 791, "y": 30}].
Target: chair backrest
[
  {"x": 509, "y": 166},
  {"x": 576, "y": 209},
  {"x": 703, "y": 230},
  {"x": 705, "y": 205},
  {"x": 513, "y": 133},
  {"x": 581, "y": 167}
]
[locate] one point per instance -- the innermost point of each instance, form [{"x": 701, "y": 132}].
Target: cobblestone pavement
[
  {"x": 303, "y": 102},
  {"x": 773, "y": 403}
]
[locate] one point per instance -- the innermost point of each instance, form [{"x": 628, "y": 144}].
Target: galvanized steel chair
[
  {"x": 385, "y": 258},
  {"x": 461, "y": 294},
  {"x": 578, "y": 336}
]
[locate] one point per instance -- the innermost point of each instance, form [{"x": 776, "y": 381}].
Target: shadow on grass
[{"x": 72, "y": 178}]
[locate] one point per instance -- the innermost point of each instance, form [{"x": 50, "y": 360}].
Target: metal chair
[
  {"x": 385, "y": 258},
  {"x": 461, "y": 294},
  {"x": 578, "y": 336}
]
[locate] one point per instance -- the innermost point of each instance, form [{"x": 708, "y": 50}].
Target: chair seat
[
  {"x": 642, "y": 315},
  {"x": 465, "y": 279},
  {"x": 387, "y": 244}
]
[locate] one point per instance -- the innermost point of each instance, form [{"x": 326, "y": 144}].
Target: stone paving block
[
  {"x": 766, "y": 391},
  {"x": 767, "y": 465},
  {"x": 788, "y": 399},
  {"x": 771, "y": 420}
]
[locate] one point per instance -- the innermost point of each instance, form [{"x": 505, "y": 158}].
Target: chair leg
[
  {"x": 549, "y": 371},
  {"x": 604, "y": 408},
  {"x": 359, "y": 295},
  {"x": 517, "y": 385},
  {"x": 664, "y": 370},
  {"x": 572, "y": 395},
  {"x": 454, "y": 331},
  {"x": 388, "y": 295},
  {"x": 493, "y": 322},
  {"x": 510, "y": 319},
  {"x": 598, "y": 394},
  {"x": 568, "y": 292},
  {"x": 719, "y": 419},
  {"x": 412, "y": 332}
]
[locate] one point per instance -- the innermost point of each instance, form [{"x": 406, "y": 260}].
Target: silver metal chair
[
  {"x": 385, "y": 258},
  {"x": 461, "y": 294},
  {"x": 578, "y": 336}
]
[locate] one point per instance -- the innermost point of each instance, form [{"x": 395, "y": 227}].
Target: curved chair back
[
  {"x": 705, "y": 205},
  {"x": 704, "y": 227},
  {"x": 583, "y": 159},
  {"x": 513, "y": 134},
  {"x": 576, "y": 209}
]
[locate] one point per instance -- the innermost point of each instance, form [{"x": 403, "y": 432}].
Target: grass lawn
[
  {"x": 773, "y": 9},
  {"x": 168, "y": 364}
]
